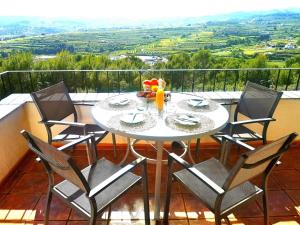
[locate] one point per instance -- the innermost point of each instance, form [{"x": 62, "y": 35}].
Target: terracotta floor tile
[
  {"x": 178, "y": 222},
  {"x": 177, "y": 207},
  {"x": 58, "y": 211},
  {"x": 31, "y": 183},
  {"x": 81, "y": 162},
  {"x": 128, "y": 207},
  {"x": 18, "y": 206},
  {"x": 130, "y": 222},
  {"x": 76, "y": 216},
  {"x": 290, "y": 160},
  {"x": 85, "y": 223},
  {"x": 10, "y": 182},
  {"x": 30, "y": 165},
  {"x": 280, "y": 204},
  {"x": 251, "y": 209},
  {"x": 285, "y": 220},
  {"x": 195, "y": 209},
  {"x": 233, "y": 221},
  {"x": 11, "y": 223},
  {"x": 1, "y": 197},
  {"x": 163, "y": 187},
  {"x": 272, "y": 182},
  {"x": 50, "y": 223},
  {"x": 287, "y": 179},
  {"x": 295, "y": 196}
]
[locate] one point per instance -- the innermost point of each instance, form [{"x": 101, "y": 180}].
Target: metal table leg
[{"x": 159, "y": 146}]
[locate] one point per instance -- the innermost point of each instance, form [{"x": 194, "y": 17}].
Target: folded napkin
[
  {"x": 197, "y": 102},
  {"x": 119, "y": 101},
  {"x": 133, "y": 117},
  {"x": 186, "y": 119}
]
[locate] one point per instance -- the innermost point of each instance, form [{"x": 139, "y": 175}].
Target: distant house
[
  {"x": 148, "y": 59},
  {"x": 151, "y": 60},
  {"x": 289, "y": 46},
  {"x": 43, "y": 57}
]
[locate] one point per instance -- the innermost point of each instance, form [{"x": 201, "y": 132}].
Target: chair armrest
[
  {"x": 260, "y": 120},
  {"x": 229, "y": 103},
  {"x": 83, "y": 103},
  {"x": 211, "y": 184},
  {"x": 78, "y": 141},
  {"x": 242, "y": 144},
  {"x": 117, "y": 175},
  {"x": 58, "y": 122}
]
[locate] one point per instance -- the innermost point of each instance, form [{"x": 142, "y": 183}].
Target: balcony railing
[{"x": 191, "y": 80}]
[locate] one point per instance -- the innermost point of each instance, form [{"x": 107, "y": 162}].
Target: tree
[
  {"x": 201, "y": 60},
  {"x": 258, "y": 76},
  {"x": 179, "y": 61},
  {"x": 18, "y": 61}
]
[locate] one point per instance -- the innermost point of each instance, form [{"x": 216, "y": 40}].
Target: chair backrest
[
  {"x": 56, "y": 161},
  {"x": 258, "y": 161},
  {"x": 257, "y": 101},
  {"x": 54, "y": 102}
]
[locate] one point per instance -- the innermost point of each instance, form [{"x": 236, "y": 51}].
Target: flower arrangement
[{"x": 151, "y": 87}]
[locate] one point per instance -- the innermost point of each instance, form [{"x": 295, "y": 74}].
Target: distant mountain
[{"x": 11, "y": 27}]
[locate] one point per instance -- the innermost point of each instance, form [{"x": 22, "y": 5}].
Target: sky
[{"x": 136, "y": 9}]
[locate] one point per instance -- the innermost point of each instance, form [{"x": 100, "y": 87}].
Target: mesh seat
[
  {"x": 216, "y": 171},
  {"x": 93, "y": 189},
  {"x": 223, "y": 190},
  {"x": 71, "y": 133},
  {"x": 101, "y": 170},
  {"x": 240, "y": 132},
  {"x": 54, "y": 105}
]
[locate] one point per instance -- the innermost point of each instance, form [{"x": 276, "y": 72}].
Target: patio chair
[
  {"x": 54, "y": 104},
  {"x": 256, "y": 106},
  {"x": 223, "y": 190},
  {"x": 92, "y": 190}
]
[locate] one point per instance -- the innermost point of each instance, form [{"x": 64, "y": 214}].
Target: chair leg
[
  {"x": 227, "y": 220},
  {"x": 197, "y": 148},
  {"x": 114, "y": 144},
  {"x": 145, "y": 194},
  {"x": 266, "y": 208},
  {"x": 92, "y": 221},
  {"x": 108, "y": 215},
  {"x": 168, "y": 199},
  {"x": 218, "y": 220},
  {"x": 47, "y": 208}
]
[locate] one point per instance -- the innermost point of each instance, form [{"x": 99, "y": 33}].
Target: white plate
[
  {"x": 197, "y": 102},
  {"x": 133, "y": 118},
  {"x": 186, "y": 119},
  {"x": 119, "y": 101}
]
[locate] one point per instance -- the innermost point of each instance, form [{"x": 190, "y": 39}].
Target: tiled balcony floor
[{"x": 22, "y": 197}]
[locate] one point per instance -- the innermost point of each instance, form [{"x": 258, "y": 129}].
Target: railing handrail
[{"x": 150, "y": 70}]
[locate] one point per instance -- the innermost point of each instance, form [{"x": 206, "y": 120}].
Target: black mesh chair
[
  {"x": 257, "y": 104},
  {"x": 92, "y": 190},
  {"x": 223, "y": 190},
  {"x": 54, "y": 104}
]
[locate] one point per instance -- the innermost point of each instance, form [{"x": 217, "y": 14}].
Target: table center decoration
[{"x": 154, "y": 90}]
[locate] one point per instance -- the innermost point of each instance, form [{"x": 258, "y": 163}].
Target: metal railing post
[{"x": 288, "y": 79}]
